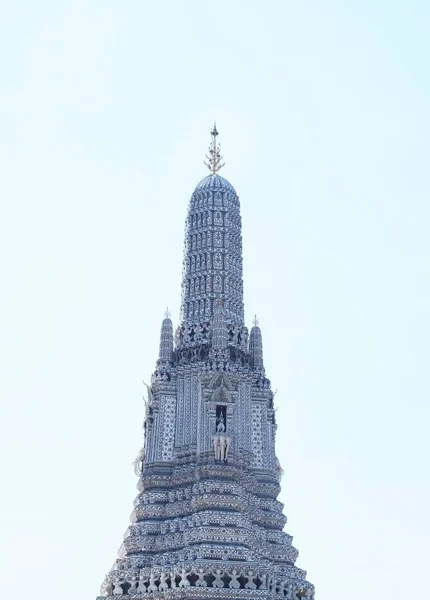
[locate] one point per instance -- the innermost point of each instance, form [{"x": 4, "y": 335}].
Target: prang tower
[{"x": 206, "y": 523}]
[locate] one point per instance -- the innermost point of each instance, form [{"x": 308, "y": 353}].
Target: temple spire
[
  {"x": 256, "y": 346},
  {"x": 166, "y": 338},
  {"x": 206, "y": 523},
  {"x": 214, "y": 158}
]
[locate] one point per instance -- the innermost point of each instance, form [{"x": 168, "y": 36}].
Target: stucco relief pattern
[
  {"x": 168, "y": 431},
  {"x": 257, "y": 436}
]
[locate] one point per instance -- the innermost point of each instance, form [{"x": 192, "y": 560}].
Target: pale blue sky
[{"x": 323, "y": 113}]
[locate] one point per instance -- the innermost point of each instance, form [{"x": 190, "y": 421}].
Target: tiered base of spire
[{"x": 200, "y": 526}]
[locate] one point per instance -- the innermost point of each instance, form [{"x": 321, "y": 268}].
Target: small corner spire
[
  {"x": 166, "y": 338},
  {"x": 214, "y": 157}
]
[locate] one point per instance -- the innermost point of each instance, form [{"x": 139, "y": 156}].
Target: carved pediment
[
  {"x": 221, "y": 395},
  {"x": 219, "y": 389},
  {"x": 221, "y": 379}
]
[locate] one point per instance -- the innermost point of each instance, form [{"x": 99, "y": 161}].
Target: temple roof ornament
[{"x": 214, "y": 159}]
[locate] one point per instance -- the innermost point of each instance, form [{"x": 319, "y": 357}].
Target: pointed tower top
[
  {"x": 167, "y": 313},
  {"x": 256, "y": 347},
  {"x": 255, "y": 322},
  {"x": 214, "y": 158},
  {"x": 166, "y": 339}
]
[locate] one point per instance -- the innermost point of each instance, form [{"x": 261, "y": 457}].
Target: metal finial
[
  {"x": 214, "y": 158},
  {"x": 167, "y": 313},
  {"x": 255, "y": 322}
]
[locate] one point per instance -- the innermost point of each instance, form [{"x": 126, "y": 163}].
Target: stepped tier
[{"x": 207, "y": 525}]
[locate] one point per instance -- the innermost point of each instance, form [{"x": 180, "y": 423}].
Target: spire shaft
[{"x": 212, "y": 265}]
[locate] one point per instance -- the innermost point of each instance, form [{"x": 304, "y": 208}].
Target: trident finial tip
[{"x": 214, "y": 157}]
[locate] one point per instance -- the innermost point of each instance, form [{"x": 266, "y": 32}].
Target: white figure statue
[
  {"x": 153, "y": 587},
  {"x": 117, "y": 590},
  {"x": 138, "y": 463},
  {"x": 217, "y": 447},
  {"x": 106, "y": 588},
  {"x": 150, "y": 399},
  {"x": 221, "y": 426},
  {"x": 262, "y": 580},
  {"x": 133, "y": 586},
  {"x": 234, "y": 583},
  {"x": 173, "y": 579},
  {"x": 221, "y": 438},
  {"x": 218, "y": 582},
  {"x": 227, "y": 447},
  {"x": 141, "y": 589},
  {"x": 250, "y": 585},
  {"x": 184, "y": 579},
  {"x": 290, "y": 592},
  {"x": 222, "y": 443},
  {"x": 278, "y": 469},
  {"x": 200, "y": 581},
  {"x": 163, "y": 582}
]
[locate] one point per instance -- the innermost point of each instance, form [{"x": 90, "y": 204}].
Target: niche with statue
[{"x": 221, "y": 440}]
